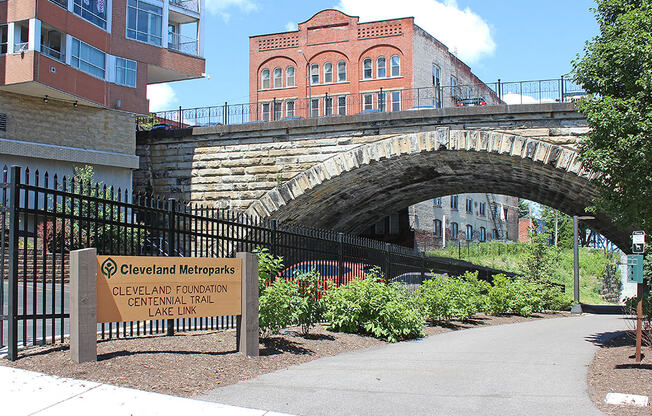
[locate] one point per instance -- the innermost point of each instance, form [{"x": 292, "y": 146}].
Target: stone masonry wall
[{"x": 56, "y": 123}]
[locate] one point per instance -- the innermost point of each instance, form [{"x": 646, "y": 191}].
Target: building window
[
  {"x": 505, "y": 212},
  {"x": 367, "y": 69},
  {"x": 52, "y": 43},
  {"x": 368, "y": 102},
  {"x": 62, "y": 3},
  {"x": 455, "y": 230},
  {"x": 289, "y": 109},
  {"x": 265, "y": 109},
  {"x": 454, "y": 201},
  {"x": 144, "y": 22},
  {"x": 436, "y": 202},
  {"x": 3, "y": 39},
  {"x": 92, "y": 10},
  {"x": 467, "y": 92},
  {"x": 328, "y": 73},
  {"x": 396, "y": 100},
  {"x": 396, "y": 65},
  {"x": 278, "y": 110},
  {"x": 482, "y": 208},
  {"x": 278, "y": 78},
  {"x": 328, "y": 106},
  {"x": 314, "y": 107},
  {"x": 495, "y": 235},
  {"x": 381, "y": 101},
  {"x": 125, "y": 72},
  {"x": 341, "y": 71},
  {"x": 436, "y": 82},
  {"x": 469, "y": 232},
  {"x": 454, "y": 92},
  {"x": 264, "y": 79},
  {"x": 289, "y": 76},
  {"x": 483, "y": 234},
  {"x": 314, "y": 74},
  {"x": 469, "y": 205},
  {"x": 436, "y": 228},
  {"x": 341, "y": 105},
  {"x": 381, "y": 67},
  {"x": 88, "y": 59}
]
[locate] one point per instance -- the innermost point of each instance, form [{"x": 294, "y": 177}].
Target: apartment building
[
  {"x": 73, "y": 73},
  {"x": 334, "y": 65}
]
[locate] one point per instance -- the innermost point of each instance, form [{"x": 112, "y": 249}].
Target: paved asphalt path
[{"x": 532, "y": 368}]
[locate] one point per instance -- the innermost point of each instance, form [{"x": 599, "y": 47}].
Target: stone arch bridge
[{"x": 345, "y": 173}]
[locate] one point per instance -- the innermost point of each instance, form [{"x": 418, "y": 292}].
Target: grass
[{"x": 509, "y": 257}]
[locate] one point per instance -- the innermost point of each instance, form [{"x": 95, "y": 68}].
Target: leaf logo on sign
[{"x": 109, "y": 267}]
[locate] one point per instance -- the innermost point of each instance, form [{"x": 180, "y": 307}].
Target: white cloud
[
  {"x": 513, "y": 98},
  {"x": 291, "y": 26},
  {"x": 221, "y": 7},
  {"x": 465, "y": 33},
  {"x": 161, "y": 97}
]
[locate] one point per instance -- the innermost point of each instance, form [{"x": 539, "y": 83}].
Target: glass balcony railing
[
  {"x": 183, "y": 44},
  {"x": 192, "y": 5},
  {"x": 53, "y": 53},
  {"x": 21, "y": 47}
]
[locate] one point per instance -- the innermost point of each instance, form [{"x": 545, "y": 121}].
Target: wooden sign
[{"x": 133, "y": 288}]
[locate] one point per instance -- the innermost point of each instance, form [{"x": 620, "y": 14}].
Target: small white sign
[{"x": 638, "y": 237}]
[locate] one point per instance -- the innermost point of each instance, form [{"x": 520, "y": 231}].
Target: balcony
[
  {"x": 184, "y": 44},
  {"x": 191, "y": 5},
  {"x": 53, "y": 43}
]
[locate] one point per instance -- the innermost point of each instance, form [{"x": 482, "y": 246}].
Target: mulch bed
[
  {"x": 614, "y": 370},
  {"x": 192, "y": 363}
]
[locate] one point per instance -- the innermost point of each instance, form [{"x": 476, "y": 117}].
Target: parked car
[
  {"x": 471, "y": 102},
  {"x": 329, "y": 270},
  {"x": 162, "y": 127}
]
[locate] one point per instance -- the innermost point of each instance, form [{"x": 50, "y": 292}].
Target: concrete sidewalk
[
  {"x": 25, "y": 393},
  {"x": 532, "y": 368}
]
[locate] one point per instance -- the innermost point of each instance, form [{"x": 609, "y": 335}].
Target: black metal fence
[
  {"x": 382, "y": 100},
  {"x": 45, "y": 217}
]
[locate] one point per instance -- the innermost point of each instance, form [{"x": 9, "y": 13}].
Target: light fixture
[
  {"x": 45, "y": 99},
  {"x": 74, "y": 104}
]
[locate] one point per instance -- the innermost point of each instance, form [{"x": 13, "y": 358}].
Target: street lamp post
[
  {"x": 309, "y": 81},
  {"x": 577, "y": 307}
]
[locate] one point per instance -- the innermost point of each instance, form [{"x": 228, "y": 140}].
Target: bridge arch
[{"x": 353, "y": 189}]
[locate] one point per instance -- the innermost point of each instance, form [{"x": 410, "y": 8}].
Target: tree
[
  {"x": 523, "y": 208},
  {"x": 616, "y": 71}
]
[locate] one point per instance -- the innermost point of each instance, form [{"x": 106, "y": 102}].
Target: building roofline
[{"x": 326, "y": 10}]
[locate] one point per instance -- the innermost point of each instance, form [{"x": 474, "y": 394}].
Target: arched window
[
  {"x": 264, "y": 79},
  {"x": 454, "y": 230},
  {"x": 314, "y": 74},
  {"x": 289, "y": 76},
  {"x": 278, "y": 78},
  {"x": 396, "y": 65},
  {"x": 341, "y": 71},
  {"x": 381, "y": 67},
  {"x": 367, "y": 70},
  {"x": 483, "y": 234},
  {"x": 436, "y": 228},
  {"x": 469, "y": 232},
  {"x": 328, "y": 72}
]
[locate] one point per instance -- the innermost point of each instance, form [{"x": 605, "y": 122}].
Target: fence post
[
  {"x": 500, "y": 94},
  {"x": 226, "y": 113},
  {"x": 172, "y": 247},
  {"x": 274, "y": 247},
  {"x": 340, "y": 258},
  {"x": 180, "y": 117},
  {"x": 561, "y": 89},
  {"x": 459, "y": 249},
  {"x": 14, "y": 200},
  {"x": 388, "y": 263}
]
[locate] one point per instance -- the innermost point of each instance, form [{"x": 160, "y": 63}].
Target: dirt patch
[
  {"x": 192, "y": 363},
  {"x": 614, "y": 370}
]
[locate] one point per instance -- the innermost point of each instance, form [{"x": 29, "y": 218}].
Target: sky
[{"x": 511, "y": 40}]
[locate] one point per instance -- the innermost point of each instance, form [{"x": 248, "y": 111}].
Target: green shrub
[
  {"x": 370, "y": 306},
  {"x": 459, "y": 297},
  {"x": 311, "y": 306},
  {"x": 524, "y": 297},
  {"x": 269, "y": 266},
  {"x": 278, "y": 306}
]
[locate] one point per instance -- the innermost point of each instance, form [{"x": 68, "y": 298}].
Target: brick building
[
  {"x": 74, "y": 72},
  {"x": 334, "y": 65}
]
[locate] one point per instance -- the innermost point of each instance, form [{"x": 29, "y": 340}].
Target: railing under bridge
[
  {"x": 45, "y": 217},
  {"x": 381, "y": 100}
]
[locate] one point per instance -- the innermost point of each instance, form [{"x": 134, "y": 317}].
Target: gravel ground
[
  {"x": 196, "y": 362},
  {"x": 614, "y": 370}
]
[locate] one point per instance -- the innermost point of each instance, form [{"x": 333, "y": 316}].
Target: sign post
[{"x": 635, "y": 274}]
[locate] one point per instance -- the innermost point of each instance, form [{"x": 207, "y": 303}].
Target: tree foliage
[{"x": 616, "y": 71}]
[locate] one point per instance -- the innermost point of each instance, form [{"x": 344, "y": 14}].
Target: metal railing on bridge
[{"x": 382, "y": 100}]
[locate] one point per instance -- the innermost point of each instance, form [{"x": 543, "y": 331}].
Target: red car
[{"x": 329, "y": 270}]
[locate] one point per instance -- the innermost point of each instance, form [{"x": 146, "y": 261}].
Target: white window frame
[
  {"x": 328, "y": 105},
  {"x": 367, "y": 72},
  {"x": 265, "y": 79},
  {"x": 381, "y": 67},
  {"x": 277, "y": 108},
  {"x": 341, "y": 78},
  {"x": 121, "y": 66},
  {"x": 396, "y": 100},
  {"x": 277, "y": 77},
  {"x": 314, "y": 74},
  {"x": 290, "y": 77},
  {"x": 328, "y": 73},
  {"x": 395, "y": 63},
  {"x": 265, "y": 111},
  {"x": 367, "y": 102},
  {"x": 341, "y": 109},
  {"x": 314, "y": 107},
  {"x": 152, "y": 39},
  {"x": 80, "y": 60},
  {"x": 290, "y": 108},
  {"x": 94, "y": 13}
]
